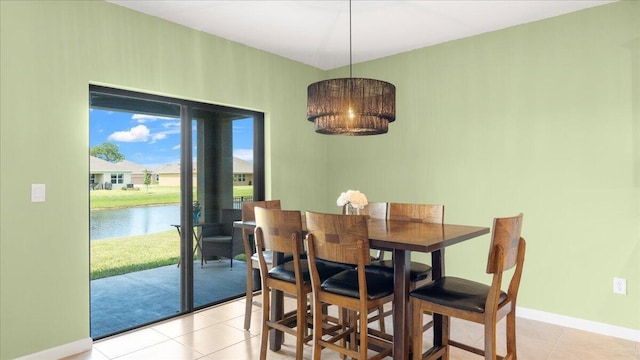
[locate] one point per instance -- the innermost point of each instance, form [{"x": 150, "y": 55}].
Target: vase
[
  {"x": 196, "y": 217},
  {"x": 351, "y": 210}
]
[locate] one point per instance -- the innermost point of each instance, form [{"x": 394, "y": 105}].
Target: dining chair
[
  {"x": 218, "y": 238},
  {"x": 472, "y": 301},
  {"x": 375, "y": 210},
  {"x": 419, "y": 273},
  {"x": 281, "y": 231},
  {"x": 344, "y": 239},
  {"x": 251, "y": 256}
]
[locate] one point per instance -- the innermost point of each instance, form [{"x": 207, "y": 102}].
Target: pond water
[{"x": 142, "y": 220}]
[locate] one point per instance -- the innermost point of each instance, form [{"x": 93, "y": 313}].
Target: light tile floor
[{"x": 217, "y": 333}]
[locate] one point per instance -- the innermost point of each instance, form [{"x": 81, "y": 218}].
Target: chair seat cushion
[
  {"x": 345, "y": 283},
  {"x": 336, "y": 265},
  {"x": 217, "y": 239},
  {"x": 286, "y": 272},
  {"x": 456, "y": 293},
  {"x": 268, "y": 257},
  {"x": 417, "y": 272}
]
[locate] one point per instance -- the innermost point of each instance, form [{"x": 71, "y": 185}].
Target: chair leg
[
  {"x": 301, "y": 325},
  {"x": 249, "y": 296},
  {"x": 511, "y": 335},
  {"x": 383, "y": 328},
  {"x": 352, "y": 321},
  {"x": 490, "y": 340},
  {"x": 364, "y": 334},
  {"x": 317, "y": 329},
  {"x": 265, "y": 329},
  {"x": 416, "y": 328}
]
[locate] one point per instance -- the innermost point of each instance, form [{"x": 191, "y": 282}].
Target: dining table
[{"x": 402, "y": 238}]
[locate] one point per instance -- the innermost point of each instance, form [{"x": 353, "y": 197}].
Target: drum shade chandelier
[{"x": 351, "y": 106}]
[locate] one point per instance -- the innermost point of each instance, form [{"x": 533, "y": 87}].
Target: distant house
[
  {"x": 137, "y": 172},
  {"x": 242, "y": 172},
  {"x": 169, "y": 175},
  {"x": 107, "y": 175}
]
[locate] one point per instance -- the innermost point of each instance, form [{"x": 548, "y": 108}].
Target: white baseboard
[
  {"x": 61, "y": 351},
  {"x": 580, "y": 324}
]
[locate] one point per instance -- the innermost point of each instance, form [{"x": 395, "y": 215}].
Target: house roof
[
  {"x": 97, "y": 165},
  {"x": 172, "y": 169},
  {"x": 135, "y": 167},
  {"x": 239, "y": 167}
]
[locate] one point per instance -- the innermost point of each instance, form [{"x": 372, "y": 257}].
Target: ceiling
[{"x": 317, "y": 32}]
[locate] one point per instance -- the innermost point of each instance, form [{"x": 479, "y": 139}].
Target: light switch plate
[{"x": 37, "y": 192}]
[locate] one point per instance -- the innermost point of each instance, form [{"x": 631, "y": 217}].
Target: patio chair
[{"x": 218, "y": 238}]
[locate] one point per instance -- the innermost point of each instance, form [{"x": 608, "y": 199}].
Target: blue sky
[{"x": 154, "y": 141}]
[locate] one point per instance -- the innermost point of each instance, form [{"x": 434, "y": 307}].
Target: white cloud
[
  {"x": 158, "y": 136},
  {"x": 138, "y": 133},
  {"x": 244, "y": 154},
  {"x": 177, "y": 147},
  {"x": 171, "y": 124}
]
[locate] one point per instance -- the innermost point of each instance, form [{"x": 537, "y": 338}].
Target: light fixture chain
[{"x": 350, "y": 46}]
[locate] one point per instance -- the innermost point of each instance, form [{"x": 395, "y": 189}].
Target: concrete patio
[{"x": 124, "y": 302}]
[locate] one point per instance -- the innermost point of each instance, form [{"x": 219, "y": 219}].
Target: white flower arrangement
[{"x": 354, "y": 198}]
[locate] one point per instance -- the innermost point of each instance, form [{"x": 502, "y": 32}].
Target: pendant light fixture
[{"x": 351, "y": 106}]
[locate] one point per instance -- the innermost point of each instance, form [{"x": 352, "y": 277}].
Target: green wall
[{"x": 541, "y": 118}]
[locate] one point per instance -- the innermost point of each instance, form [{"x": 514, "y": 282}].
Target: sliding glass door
[{"x": 174, "y": 170}]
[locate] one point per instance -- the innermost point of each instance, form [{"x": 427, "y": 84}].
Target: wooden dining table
[{"x": 402, "y": 238}]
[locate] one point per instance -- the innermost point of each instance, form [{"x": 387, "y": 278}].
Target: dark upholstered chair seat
[
  {"x": 345, "y": 283},
  {"x": 285, "y": 271},
  {"x": 335, "y": 264},
  {"x": 456, "y": 293},
  {"x": 417, "y": 271},
  {"x": 268, "y": 257},
  {"x": 217, "y": 239}
]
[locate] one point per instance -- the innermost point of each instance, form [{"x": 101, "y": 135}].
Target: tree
[
  {"x": 107, "y": 151},
  {"x": 147, "y": 178}
]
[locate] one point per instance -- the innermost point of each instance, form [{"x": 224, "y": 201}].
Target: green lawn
[
  {"x": 118, "y": 256},
  {"x": 154, "y": 195},
  {"x": 114, "y": 199}
]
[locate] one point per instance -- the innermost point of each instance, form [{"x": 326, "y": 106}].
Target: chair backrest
[
  {"x": 279, "y": 230},
  {"x": 375, "y": 210},
  {"x": 248, "y": 214},
  {"x": 506, "y": 235},
  {"x": 339, "y": 238},
  {"x": 416, "y": 213},
  {"x": 225, "y": 226},
  {"x": 227, "y": 217},
  {"x": 248, "y": 206}
]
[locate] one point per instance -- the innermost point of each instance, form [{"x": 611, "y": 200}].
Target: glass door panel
[
  {"x": 134, "y": 201},
  {"x": 217, "y": 275}
]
